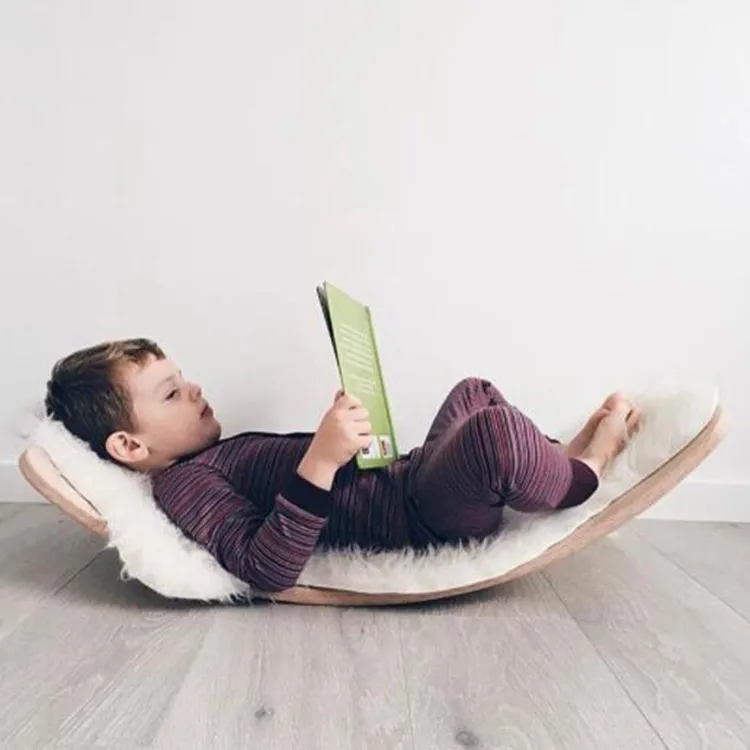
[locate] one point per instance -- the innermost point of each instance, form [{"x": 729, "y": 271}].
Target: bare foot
[
  {"x": 577, "y": 446},
  {"x": 611, "y": 435}
]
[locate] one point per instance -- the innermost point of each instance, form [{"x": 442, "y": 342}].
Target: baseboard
[
  {"x": 705, "y": 500},
  {"x": 693, "y": 500}
]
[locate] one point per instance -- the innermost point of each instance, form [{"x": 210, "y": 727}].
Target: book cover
[{"x": 352, "y": 333}]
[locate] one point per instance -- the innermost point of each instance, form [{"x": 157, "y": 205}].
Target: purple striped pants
[{"x": 481, "y": 453}]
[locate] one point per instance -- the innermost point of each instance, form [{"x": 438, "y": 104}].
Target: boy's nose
[{"x": 195, "y": 391}]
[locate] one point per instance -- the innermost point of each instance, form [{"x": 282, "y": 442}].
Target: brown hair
[{"x": 86, "y": 394}]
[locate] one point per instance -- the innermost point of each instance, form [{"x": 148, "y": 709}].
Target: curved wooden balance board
[{"x": 42, "y": 474}]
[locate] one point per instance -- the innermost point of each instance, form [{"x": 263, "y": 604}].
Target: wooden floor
[{"x": 640, "y": 641}]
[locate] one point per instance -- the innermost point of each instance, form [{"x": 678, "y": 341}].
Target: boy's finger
[
  {"x": 349, "y": 401},
  {"x": 359, "y": 413},
  {"x": 364, "y": 428}
]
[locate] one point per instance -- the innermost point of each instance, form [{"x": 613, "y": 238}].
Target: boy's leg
[
  {"x": 466, "y": 397},
  {"x": 482, "y": 453}
]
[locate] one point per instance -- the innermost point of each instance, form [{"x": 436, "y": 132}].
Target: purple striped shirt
[{"x": 243, "y": 500}]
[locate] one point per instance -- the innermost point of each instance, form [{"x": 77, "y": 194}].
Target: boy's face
[{"x": 171, "y": 416}]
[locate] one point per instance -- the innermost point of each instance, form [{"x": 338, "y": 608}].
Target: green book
[{"x": 353, "y": 337}]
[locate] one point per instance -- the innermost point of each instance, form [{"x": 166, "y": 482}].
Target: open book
[{"x": 353, "y": 337}]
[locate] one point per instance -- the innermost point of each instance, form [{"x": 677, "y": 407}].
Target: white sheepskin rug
[{"x": 156, "y": 552}]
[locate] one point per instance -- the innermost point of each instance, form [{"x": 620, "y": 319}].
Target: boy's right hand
[{"x": 344, "y": 430}]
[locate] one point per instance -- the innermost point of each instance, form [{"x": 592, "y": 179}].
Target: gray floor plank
[
  {"x": 97, "y": 665},
  {"x": 8, "y": 510},
  {"x": 525, "y": 598},
  {"x": 275, "y": 676},
  {"x": 717, "y": 555},
  {"x": 681, "y": 653},
  {"x": 40, "y": 551},
  {"x": 509, "y": 681}
]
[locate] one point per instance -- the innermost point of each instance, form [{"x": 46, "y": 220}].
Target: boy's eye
[{"x": 171, "y": 394}]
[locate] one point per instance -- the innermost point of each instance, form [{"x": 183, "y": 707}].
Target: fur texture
[{"x": 154, "y": 551}]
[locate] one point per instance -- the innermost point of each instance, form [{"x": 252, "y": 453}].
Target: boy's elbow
[
  {"x": 268, "y": 588},
  {"x": 267, "y": 581},
  {"x": 264, "y": 585}
]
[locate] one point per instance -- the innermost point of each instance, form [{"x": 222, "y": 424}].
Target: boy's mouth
[{"x": 207, "y": 410}]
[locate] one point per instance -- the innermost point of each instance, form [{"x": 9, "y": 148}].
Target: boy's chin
[{"x": 213, "y": 431}]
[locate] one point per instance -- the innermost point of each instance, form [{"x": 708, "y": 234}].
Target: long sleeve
[{"x": 266, "y": 551}]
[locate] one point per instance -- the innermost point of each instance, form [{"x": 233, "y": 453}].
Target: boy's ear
[{"x": 126, "y": 448}]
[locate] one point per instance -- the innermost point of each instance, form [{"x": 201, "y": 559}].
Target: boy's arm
[{"x": 266, "y": 551}]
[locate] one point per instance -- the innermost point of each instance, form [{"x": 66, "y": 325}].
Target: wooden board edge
[{"x": 39, "y": 471}]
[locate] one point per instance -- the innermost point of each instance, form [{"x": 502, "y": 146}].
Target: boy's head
[{"x": 130, "y": 403}]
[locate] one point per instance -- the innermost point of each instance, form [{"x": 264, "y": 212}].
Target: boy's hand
[{"x": 344, "y": 430}]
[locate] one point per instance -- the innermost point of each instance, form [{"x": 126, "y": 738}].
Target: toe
[
  {"x": 621, "y": 409},
  {"x": 597, "y": 416},
  {"x": 611, "y": 400},
  {"x": 633, "y": 420},
  {"x": 617, "y": 401}
]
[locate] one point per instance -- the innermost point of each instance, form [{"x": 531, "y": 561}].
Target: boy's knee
[
  {"x": 468, "y": 384},
  {"x": 494, "y": 432},
  {"x": 476, "y": 387},
  {"x": 502, "y": 421},
  {"x": 505, "y": 438}
]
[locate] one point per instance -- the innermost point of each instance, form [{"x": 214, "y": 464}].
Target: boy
[{"x": 260, "y": 503}]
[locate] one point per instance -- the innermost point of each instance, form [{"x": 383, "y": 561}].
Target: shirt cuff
[{"x": 308, "y": 496}]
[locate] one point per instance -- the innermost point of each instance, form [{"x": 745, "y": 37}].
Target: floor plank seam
[
  {"x": 406, "y": 686},
  {"x": 679, "y": 567},
  {"x": 606, "y": 664},
  {"x": 172, "y": 700},
  {"x": 77, "y": 573},
  {"x": 260, "y": 693}
]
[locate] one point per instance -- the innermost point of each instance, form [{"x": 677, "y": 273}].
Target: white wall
[{"x": 554, "y": 196}]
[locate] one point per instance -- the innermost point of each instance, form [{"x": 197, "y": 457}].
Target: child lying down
[{"x": 261, "y": 503}]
